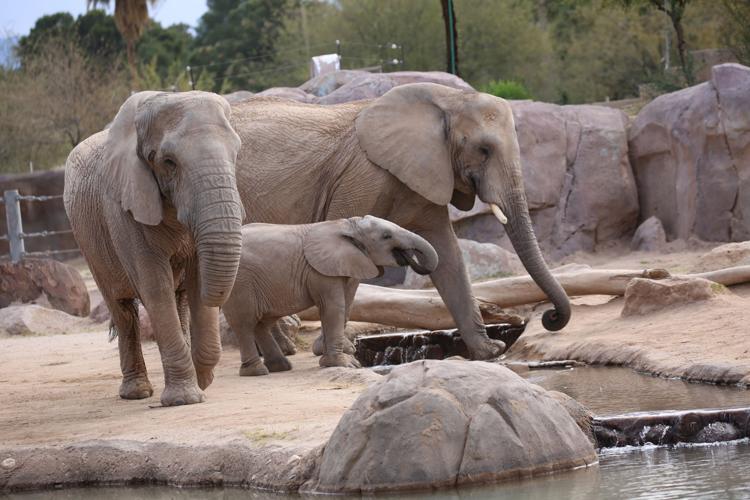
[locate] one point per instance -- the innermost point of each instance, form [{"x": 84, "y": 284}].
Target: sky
[{"x": 18, "y": 17}]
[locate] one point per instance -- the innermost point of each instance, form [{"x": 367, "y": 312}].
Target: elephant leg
[
  {"x": 349, "y": 293},
  {"x": 158, "y": 298},
  {"x": 285, "y": 343},
  {"x": 244, "y": 327},
  {"x": 332, "y": 309},
  {"x": 452, "y": 283},
  {"x": 273, "y": 358},
  {"x": 183, "y": 312},
  {"x": 135, "y": 383},
  {"x": 205, "y": 340}
]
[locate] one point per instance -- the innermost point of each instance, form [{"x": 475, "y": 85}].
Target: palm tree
[{"x": 131, "y": 18}]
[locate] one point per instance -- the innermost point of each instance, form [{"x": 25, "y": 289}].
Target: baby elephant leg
[
  {"x": 244, "y": 328},
  {"x": 332, "y": 317},
  {"x": 273, "y": 358}
]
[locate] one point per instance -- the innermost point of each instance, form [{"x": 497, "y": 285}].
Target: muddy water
[
  {"x": 612, "y": 390},
  {"x": 653, "y": 473}
]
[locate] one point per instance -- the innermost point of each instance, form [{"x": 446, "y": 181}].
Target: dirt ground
[
  {"x": 60, "y": 402},
  {"x": 705, "y": 341}
]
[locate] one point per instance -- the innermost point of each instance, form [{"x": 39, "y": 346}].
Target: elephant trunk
[
  {"x": 426, "y": 256},
  {"x": 521, "y": 234},
  {"x": 218, "y": 219}
]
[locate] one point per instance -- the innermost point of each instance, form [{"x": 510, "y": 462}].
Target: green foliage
[
  {"x": 736, "y": 28},
  {"x": 236, "y": 39},
  {"x": 507, "y": 89}
]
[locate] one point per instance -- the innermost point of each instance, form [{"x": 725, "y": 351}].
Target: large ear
[
  {"x": 406, "y": 132},
  {"x": 332, "y": 249},
  {"x": 130, "y": 179}
]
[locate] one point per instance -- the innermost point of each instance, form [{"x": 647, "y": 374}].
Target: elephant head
[
  {"x": 360, "y": 246},
  {"x": 449, "y": 145},
  {"x": 178, "y": 150}
]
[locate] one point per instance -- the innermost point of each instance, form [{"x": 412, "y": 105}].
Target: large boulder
[
  {"x": 690, "y": 151},
  {"x": 727, "y": 255},
  {"x": 46, "y": 282},
  {"x": 33, "y": 319},
  {"x": 454, "y": 422},
  {"x": 579, "y": 184},
  {"x": 364, "y": 85},
  {"x": 483, "y": 260}
]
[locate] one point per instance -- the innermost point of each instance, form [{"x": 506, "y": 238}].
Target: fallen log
[{"x": 425, "y": 309}]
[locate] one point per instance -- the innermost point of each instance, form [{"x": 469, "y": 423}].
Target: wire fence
[
  {"x": 16, "y": 236},
  {"x": 287, "y": 66}
]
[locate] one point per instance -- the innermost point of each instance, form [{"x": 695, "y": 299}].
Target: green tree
[
  {"x": 737, "y": 32},
  {"x": 237, "y": 40},
  {"x": 675, "y": 10},
  {"x": 131, "y": 18}
]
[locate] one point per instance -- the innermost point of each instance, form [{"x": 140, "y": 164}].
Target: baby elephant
[{"x": 285, "y": 269}]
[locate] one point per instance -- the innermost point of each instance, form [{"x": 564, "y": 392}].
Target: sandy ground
[
  {"x": 60, "y": 403},
  {"x": 705, "y": 341},
  {"x": 64, "y": 388}
]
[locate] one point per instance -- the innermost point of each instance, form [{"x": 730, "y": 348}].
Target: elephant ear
[
  {"x": 131, "y": 181},
  {"x": 332, "y": 249},
  {"x": 405, "y": 132}
]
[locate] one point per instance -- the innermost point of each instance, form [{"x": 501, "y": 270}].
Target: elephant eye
[
  {"x": 387, "y": 236},
  {"x": 151, "y": 155},
  {"x": 484, "y": 151},
  {"x": 170, "y": 163}
]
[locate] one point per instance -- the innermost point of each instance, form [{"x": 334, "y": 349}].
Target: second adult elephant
[{"x": 401, "y": 157}]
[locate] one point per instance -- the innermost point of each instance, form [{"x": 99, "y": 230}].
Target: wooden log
[{"x": 425, "y": 308}]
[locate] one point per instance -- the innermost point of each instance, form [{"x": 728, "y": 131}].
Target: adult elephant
[
  {"x": 153, "y": 204},
  {"x": 402, "y": 157}
]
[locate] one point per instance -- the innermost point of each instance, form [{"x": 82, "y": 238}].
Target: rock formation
[{"x": 455, "y": 422}]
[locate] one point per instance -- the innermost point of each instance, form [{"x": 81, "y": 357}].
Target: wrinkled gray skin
[
  {"x": 154, "y": 206},
  {"x": 285, "y": 269},
  {"x": 402, "y": 157}
]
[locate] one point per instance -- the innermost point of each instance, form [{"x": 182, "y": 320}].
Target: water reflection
[
  {"x": 716, "y": 471},
  {"x": 613, "y": 390}
]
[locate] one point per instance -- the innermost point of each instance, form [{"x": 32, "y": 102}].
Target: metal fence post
[{"x": 15, "y": 226}]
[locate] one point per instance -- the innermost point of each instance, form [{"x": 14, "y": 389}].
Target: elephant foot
[
  {"x": 136, "y": 388},
  {"x": 319, "y": 346},
  {"x": 487, "y": 349},
  {"x": 280, "y": 364},
  {"x": 343, "y": 359},
  {"x": 177, "y": 395},
  {"x": 205, "y": 376},
  {"x": 253, "y": 368}
]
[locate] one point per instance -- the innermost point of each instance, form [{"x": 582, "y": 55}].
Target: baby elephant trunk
[{"x": 416, "y": 253}]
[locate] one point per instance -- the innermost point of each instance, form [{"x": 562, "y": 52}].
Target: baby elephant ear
[
  {"x": 332, "y": 249},
  {"x": 131, "y": 181}
]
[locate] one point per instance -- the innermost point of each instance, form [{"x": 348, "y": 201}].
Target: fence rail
[{"x": 15, "y": 236}]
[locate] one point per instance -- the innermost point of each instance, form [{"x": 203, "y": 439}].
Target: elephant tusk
[{"x": 499, "y": 214}]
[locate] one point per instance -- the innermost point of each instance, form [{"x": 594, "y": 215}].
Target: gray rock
[
  {"x": 690, "y": 151},
  {"x": 650, "y": 236},
  {"x": 483, "y": 260},
  {"x": 644, "y": 296},
  {"x": 33, "y": 319},
  {"x": 432, "y": 424},
  {"x": 373, "y": 84},
  {"x": 292, "y": 93},
  {"x": 46, "y": 282},
  {"x": 238, "y": 96}
]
